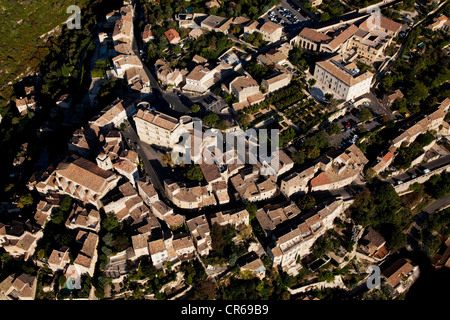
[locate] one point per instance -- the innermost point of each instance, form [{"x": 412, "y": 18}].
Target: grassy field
[{"x": 21, "y": 45}]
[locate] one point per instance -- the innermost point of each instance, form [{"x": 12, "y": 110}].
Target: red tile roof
[
  {"x": 321, "y": 179},
  {"x": 171, "y": 34},
  {"x": 388, "y": 156}
]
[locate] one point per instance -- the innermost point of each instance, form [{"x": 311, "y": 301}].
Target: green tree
[
  {"x": 25, "y": 201},
  {"x": 195, "y": 108},
  {"x": 244, "y": 119},
  {"x": 306, "y": 202},
  {"x": 401, "y": 105},
  {"x": 205, "y": 290},
  {"x": 235, "y": 29},
  {"x": 167, "y": 158},
  {"x": 321, "y": 246},
  {"x": 387, "y": 82},
  {"x": 57, "y": 217},
  {"x": 41, "y": 254},
  {"x": 365, "y": 115},
  {"x": 251, "y": 209},
  {"x": 333, "y": 128},
  {"x": 211, "y": 119},
  {"x": 318, "y": 140},
  {"x": 312, "y": 82},
  {"x": 325, "y": 16},
  {"x": 176, "y": 50},
  {"x": 417, "y": 92},
  {"x": 297, "y": 56},
  {"x": 66, "y": 203},
  {"x": 108, "y": 239},
  {"x": 299, "y": 157},
  {"x": 110, "y": 222},
  {"x": 222, "y": 125},
  {"x": 121, "y": 243},
  {"x": 5, "y": 258},
  {"x": 194, "y": 173},
  {"x": 218, "y": 237},
  {"x": 62, "y": 280},
  {"x": 106, "y": 251},
  {"x": 327, "y": 276},
  {"x": 312, "y": 152},
  {"x": 287, "y": 136}
]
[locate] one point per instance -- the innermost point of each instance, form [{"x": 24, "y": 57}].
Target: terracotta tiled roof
[
  {"x": 270, "y": 27},
  {"x": 240, "y": 83},
  {"x": 388, "y": 156},
  {"x": 139, "y": 241},
  {"x": 343, "y": 36},
  {"x": 171, "y": 35},
  {"x": 313, "y": 35},
  {"x": 182, "y": 243},
  {"x": 126, "y": 166},
  {"x": 83, "y": 260},
  {"x": 147, "y": 188},
  {"x": 395, "y": 272},
  {"x": 372, "y": 238},
  {"x": 156, "y": 246},
  {"x": 321, "y": 179},
  {"x": 385, "y": 23},
  {"x": 210, "y": 171},
  {"x": 157, "y": 118},
  {"x": 342, "y": 75},
  {"x": 84, "y": 173}
]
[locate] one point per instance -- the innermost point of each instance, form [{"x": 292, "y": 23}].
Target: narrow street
[{"x": 150, "y": 158}]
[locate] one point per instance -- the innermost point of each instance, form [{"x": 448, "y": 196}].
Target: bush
[
  {"x": 327, "y": 276},
  {"x": 365, "y": 115},
  {"x": 195, "y": 108},
  {"x": 306, "y": 202},
  {"x": 211, "y": 119},
  {"x": 333, "y": 128},
  {"x": 57, "y": 217},
  {"x": 194, "y": 173},
  {"x": 66, "y": 204},
  {"x": 110, "y": 222}
]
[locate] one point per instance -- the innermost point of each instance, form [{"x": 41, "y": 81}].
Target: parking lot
[
  {"x": 351, "y": 125},
  {"x": 210, "y": 102},
  {"x": 286, "y": 13}
]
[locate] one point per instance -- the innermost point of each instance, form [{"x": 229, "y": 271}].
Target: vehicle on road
[{"x": 137, "y": 146}]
